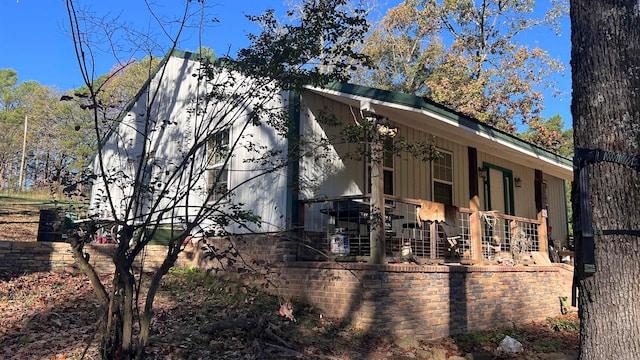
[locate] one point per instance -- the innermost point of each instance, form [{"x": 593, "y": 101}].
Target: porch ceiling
[{"x": 465, "y": 131}]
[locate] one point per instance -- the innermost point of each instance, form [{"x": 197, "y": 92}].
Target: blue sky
[{"x": 35, "y": 45}]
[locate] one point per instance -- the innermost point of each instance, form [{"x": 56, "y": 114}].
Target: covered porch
[{"x": 419, "y": 231}]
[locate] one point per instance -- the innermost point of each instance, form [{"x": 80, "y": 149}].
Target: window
[
  {"x": 442, "y": 170},
  {"x": 217, "y": 175}
]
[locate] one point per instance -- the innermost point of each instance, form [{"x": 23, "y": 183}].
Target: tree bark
[
  {"x": 77, "y": 245},
  {"x": 605, "y": 61},
  {"x": 154, "y": 286}
]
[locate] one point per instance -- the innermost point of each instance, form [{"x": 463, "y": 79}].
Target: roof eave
[{"x": 548, "y": 161}]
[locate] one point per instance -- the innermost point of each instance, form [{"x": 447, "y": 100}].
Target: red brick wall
[
  {"x": 56, "y": 256},
  {"x": 403, "y": 299},
  {"x": 397, "y": 299},
  {"x": 427, "y": 301}
]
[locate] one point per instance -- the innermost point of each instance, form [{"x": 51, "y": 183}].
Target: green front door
[{"x": 498, "y": 189}]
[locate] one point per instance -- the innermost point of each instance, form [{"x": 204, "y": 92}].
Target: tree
[
  {"x": 605, "y": 53},
  {"x": 156, "y": 193},
  {"x": 466, "y": 55},
  {"x": 54, "y": 148},
  {"x": 10, "y": 146},
  {"x": 122, "y": 84},
  {"x": 550, "y": 134},
  {"x": 8, "y": 81}
]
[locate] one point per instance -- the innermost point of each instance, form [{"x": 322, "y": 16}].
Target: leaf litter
[{"x": 49, "y": 315}]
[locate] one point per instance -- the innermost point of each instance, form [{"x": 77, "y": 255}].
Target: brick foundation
[
  {"x": 428, "y": 301},
  {"x": 56, "y": 256},
  {"x": 403, "y": 299},
  {"x": 398, "y": 299}
]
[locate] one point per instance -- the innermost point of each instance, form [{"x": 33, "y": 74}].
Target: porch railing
[
  {"x": 508, "y": 237},
  {"x": 499, "y": 238}
]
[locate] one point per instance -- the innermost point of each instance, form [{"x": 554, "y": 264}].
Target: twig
[
  {"x": 229, "y": 324},
  {"x": 287, "y": 350},
  {"x": 275, "y": 337}
]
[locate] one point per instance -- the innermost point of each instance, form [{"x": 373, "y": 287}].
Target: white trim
[{"x": 441, "y": 181}]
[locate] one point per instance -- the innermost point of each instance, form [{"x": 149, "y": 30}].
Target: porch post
[
  {"x": 540, "y": 208},
  {"x": 376, "y": 236},
  {"x": 475, "y": 226}
]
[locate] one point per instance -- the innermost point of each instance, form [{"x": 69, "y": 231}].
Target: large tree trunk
[{"x": 606, "y": 113}]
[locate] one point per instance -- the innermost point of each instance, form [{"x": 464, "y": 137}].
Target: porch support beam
[
  {"x": 377, "y": 216},
  {"x": 475, "y": 225},
  {"x": 542, "y": 215}
]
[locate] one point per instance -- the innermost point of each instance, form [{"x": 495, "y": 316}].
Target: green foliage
[
  {"x": 8, "y": 81},
  {"x": 560, "y": 324},
  {"x": 466, "y": 55},
  {"x": 478, "y": 337},
  {"x": 370, "y": 131},
  {"x": 142, "y": 189},
  {"x": 548, "y": 346},
  {"x": 550, "y": 134},
  {"x": 54, "y": 148},
  {"x": 187, "y": 270},
  {"x": 119, "y": 88},
  {"x": 310, "y": 49}
]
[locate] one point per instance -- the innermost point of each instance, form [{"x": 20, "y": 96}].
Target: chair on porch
[{"x": 444, "y": 216}]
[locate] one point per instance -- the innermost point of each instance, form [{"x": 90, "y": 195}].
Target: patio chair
[{"x": 441, "y": 214}]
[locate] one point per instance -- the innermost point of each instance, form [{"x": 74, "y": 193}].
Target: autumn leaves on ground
[{"x": 54, "y": 316}]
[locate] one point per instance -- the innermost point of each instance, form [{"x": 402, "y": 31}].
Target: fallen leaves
[
  {"x": 54, "y": 316},
  {"x": 45, "y": 316}
]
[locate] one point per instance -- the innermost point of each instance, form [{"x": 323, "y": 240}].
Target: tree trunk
[
  {"x": 154, "y": 286},
  {"x": 606, "y": 113}
]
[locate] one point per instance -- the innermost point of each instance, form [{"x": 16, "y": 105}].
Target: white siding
[
  {"x": 413, "y": 176},
  {"x": 338, "y": 175},
  {"x": 328, "y": 172},
  {"x": 175, "y": 127}
]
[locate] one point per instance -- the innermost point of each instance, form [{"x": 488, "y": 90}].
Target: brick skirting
[
  {"x": 399, "y": 300},
  {"x": 56, "y": 256}
]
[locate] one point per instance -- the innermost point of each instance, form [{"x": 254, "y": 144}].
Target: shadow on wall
[
  {"x": 406, "y": 300},
  {"x": 20, "y": 256}
]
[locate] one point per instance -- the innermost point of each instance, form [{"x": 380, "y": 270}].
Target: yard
[
  {"x": 19, "y": 217},
  {"x": 50, "y": 315},
  {"x": 54, "y": 316}
]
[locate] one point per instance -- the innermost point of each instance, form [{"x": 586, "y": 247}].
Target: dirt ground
[
  {"x": 55, "y": 316},
  {"x": 19, "y": 218}
]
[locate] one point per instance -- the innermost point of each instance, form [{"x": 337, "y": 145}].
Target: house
[
  {"x": 485, "y": 195},
  {"x": 516, "y": 189}
]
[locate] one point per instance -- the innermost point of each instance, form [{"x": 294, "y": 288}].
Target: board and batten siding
[
  {"x": 338, "y": 175},
  {"x": 178, "y": 93},
  {"x": 328, "y": 172},
  {"x": 412, "y": 177},
  {"x": 524, "y": 196}
]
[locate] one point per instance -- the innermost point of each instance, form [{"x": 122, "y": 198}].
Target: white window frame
[
  {"x": 435, "y": 179},
  {"x": 216, "y": 163},
  {"x": 388, "y": 164}
]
